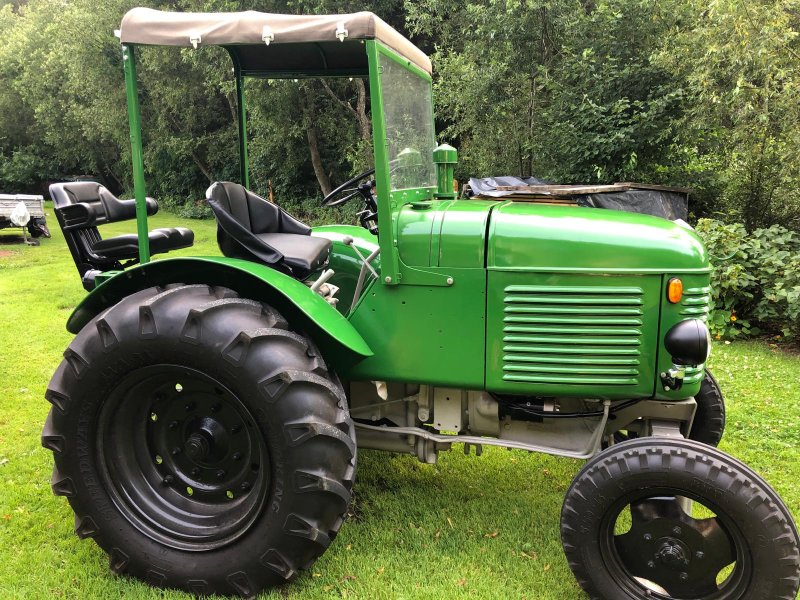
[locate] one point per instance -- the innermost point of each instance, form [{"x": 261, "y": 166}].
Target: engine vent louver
[
  {"x": 572, "y": 335},
  {"x": 695, "y": 304}
]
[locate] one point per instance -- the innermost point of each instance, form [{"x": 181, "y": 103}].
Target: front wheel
[
  {"x": 626, "y": 535},
  {"x": 200, "y": 442}
]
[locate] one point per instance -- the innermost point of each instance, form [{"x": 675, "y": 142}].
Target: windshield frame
[{"x": 390, "y": 202}]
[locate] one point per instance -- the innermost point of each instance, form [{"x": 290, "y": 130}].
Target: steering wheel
[
  {"x": 367, "y": 217},
  {"x": 348, "y": 188}
]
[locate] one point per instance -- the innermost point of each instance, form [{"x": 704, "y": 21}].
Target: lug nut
[
  {"x": 220, "y": 474},
  {"x": 676, "y": 531},
  {"x": 684, "y": 576},
  {"x": 647, "y": 537},
  {"x": 245, "y": 486},
  {"x": 195, "y": 472},
  {"x": 236, "y": 429},
  {"x": 189, "y": 407},
  {"x": 699, "y": 554},
  {"x": 237, "y": 456},
  {"x": 651, "y": 564},
  {"x": 168, "y": 479},
  {"x": 176, "y": 450},
  {"x": 173, "y": 424}
]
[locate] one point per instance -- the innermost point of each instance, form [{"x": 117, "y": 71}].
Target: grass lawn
[{"x": 469, "y": 527}]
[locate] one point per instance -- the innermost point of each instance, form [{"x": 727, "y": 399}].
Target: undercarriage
[{"x": 424, "y": 420}]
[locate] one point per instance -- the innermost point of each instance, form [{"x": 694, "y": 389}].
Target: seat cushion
[
  {"x": 124, "y": 247},
  {"x": 303, "y": 253}
]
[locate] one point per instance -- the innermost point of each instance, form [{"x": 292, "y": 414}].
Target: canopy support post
[
  {"x": 134, "y": 119},
  {"x": 241, "y": 108}
]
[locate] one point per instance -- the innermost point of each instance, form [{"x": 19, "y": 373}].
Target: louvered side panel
[
  {"x": 572, "y": 334},
  {"x": 696, "y": 303}
]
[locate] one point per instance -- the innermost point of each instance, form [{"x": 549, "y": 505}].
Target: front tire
[
  {"x": 202, "y": 444},
  {"x": 709, "y": 419},
  {"x": 627, "y": 537}
]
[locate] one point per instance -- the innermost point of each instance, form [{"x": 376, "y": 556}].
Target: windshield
[{"x": 408, "y": 115}]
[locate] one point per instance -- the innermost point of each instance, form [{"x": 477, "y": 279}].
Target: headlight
[{"x": 688, "y": 342}]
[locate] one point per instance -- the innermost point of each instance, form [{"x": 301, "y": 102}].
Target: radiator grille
[
  {"x": 572, "y": 335},
  {"x": 696, "y": 304}
]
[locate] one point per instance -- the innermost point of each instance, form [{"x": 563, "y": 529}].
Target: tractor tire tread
[
  {"x": 688, "y": 459},
  {"x": 319, "y": 491}
]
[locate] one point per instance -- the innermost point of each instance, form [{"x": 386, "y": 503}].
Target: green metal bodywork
[
  {"x": 260, "y": 282},
  {"x": 516, "y": 298}
]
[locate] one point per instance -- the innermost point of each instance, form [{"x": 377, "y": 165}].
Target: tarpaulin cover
[
  {"x": 488, "y": 185},
  {"x": 660, "y": 201}
]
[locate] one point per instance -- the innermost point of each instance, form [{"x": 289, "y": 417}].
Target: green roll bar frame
[{"x": 393, "y": 271}]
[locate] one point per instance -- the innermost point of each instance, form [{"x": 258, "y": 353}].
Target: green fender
[{"x": 307, "y": 311}]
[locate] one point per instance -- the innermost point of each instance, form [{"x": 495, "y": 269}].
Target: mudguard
[{"x": 304, "y": 309}]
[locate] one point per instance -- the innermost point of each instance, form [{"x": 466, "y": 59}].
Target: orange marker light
[{"x": 674, "y": 290}]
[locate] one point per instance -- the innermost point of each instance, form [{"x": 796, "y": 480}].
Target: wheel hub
[
  {"x": 210, "y": 449},
  {"x": 672, "y": 554},
  {"x": 197, "y": 447},
  {"x": 678, "y": 553}
]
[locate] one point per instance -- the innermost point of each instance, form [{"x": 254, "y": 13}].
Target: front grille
[
  {"x": 696, "y": 304},
  {"x": 572, "y": 335}
]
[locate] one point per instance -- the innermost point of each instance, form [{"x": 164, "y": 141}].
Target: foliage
[
  {"x": 755, "y": 281},
  {"x": 700, "y": 94},
  {"x": 739, "y": 61},
  {"x": 491, "y": 522}
]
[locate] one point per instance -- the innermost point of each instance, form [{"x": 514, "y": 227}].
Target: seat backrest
[
  {"x": 94, "y": 204},
  {"x": 253, "y": 212}
]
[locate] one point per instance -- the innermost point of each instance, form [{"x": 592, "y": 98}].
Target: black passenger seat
[{"x": 83, "y": 205}]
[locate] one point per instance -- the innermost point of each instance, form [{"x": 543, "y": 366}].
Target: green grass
[{"x": 469, "y": 527}]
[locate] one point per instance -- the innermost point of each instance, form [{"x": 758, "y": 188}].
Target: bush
[
  {"x": 186, "y": 209},
  {"x": 755, "y": 279}
]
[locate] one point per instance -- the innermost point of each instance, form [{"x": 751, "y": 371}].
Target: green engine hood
[{"x": 543, "y": 237}]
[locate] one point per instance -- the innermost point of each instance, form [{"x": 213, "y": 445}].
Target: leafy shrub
[
  {"x": 755, "y": 279},
  {"x": 186, "y": 209}
]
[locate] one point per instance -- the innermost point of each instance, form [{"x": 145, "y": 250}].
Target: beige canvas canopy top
[{"x": 265, "y": 43}]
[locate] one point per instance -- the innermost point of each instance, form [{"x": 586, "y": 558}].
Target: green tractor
[{"x": 206, "y": 416}]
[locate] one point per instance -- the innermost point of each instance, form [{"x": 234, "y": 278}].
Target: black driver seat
[{"x": 252, "y": 228}]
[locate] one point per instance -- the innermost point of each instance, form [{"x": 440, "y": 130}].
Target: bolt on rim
[
  {"x": 655, "y": 549},
  {"x": 182, "y": 457}
]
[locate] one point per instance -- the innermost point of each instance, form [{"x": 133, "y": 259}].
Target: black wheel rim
[
  {"x": 671, "y": 555},
  {"x": 182, "y": 457}
]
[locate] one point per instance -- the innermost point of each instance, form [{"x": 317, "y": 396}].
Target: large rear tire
[
  {"x": 201, "y": 443},
  {"x": 627, "y": 536}
]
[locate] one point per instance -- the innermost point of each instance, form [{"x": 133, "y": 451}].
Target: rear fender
[{"x": 305, "y": 310}]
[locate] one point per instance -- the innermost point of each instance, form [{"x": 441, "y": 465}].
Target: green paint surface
[
  {"x": 426, "y": 334},
  {"x": 527, "y": 235},
  {"x": 251, "y": 280}
]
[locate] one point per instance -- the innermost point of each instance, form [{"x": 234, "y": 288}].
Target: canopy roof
[{"x": 265, "y": 43}]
